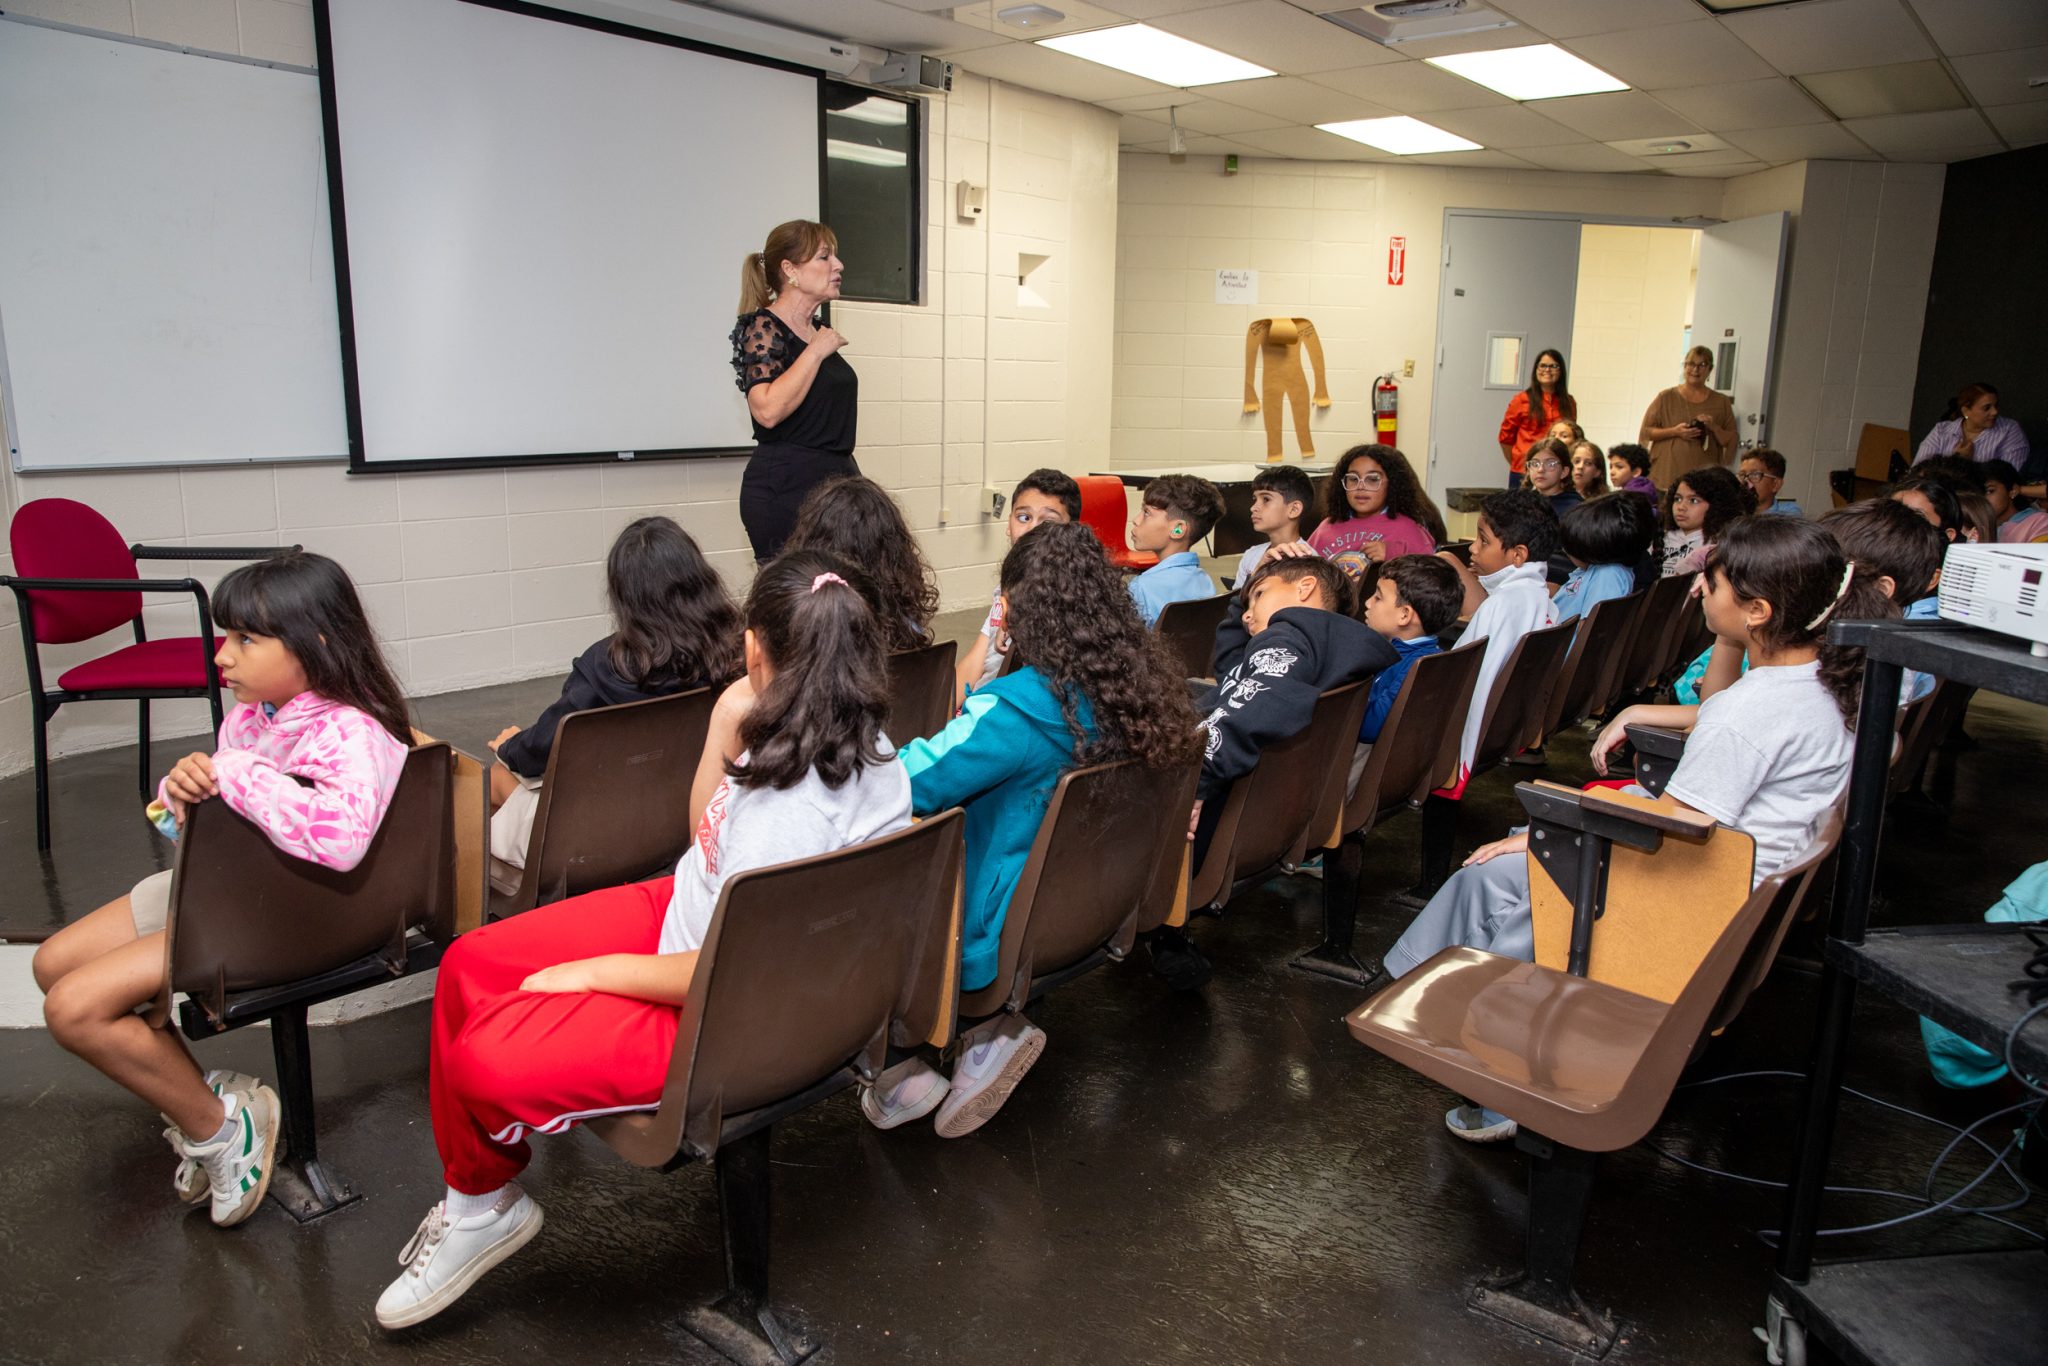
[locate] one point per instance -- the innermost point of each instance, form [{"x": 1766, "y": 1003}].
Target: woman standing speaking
[{"x": 801, "y": 393}]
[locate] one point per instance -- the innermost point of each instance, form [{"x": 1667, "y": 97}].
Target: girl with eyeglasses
[
  {"x": 1374, "y": 509},
  {"x": 1690, "y": 424},
  {"x": 1533, "y": 412}
]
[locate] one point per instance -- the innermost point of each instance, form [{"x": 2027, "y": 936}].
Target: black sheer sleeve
[{"x": 761, "y": 349}]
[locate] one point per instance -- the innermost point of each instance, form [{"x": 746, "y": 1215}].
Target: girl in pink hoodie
[{"x": 310, "y": 754}]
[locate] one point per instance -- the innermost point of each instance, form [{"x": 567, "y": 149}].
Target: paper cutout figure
[{"x": 1283, "y": 340}]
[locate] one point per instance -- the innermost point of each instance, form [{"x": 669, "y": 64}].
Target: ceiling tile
[
  {"x": 1617, "y": 114},
  {"x": 1724, "y": 171},
  {"x": 1135, "y": 130},
  {"x": 1276, "y": 34},
  {"x": 1486, "y": 41},
  {"x": 2001, "y": 77},
  {"x": 1921, "y": 87},
  {"x": 1983, "y": 25},
  {"x": 1149, "y": 10},
  {"x": 1571, "y": 18},
  {"x": 1673, "y": 55},
  {"x": 1807, "y": 142},
  {"x": 1774, "y": 102},
  {"x": 1924, "y": 137},
  {"x": 1590, "y": 156},
  {"x": 2023, "y": 125},
  {"x": 1509, "y": 126},
  {"x": 1198, "y": 115},
  {"x": 1055, "y": 73},
  {"x": 1296, "y": 100},
  {"x": 1411, "y": 88},
  {"x": 1828, "y": 35},
  {"x": 1312, "y": 144}
]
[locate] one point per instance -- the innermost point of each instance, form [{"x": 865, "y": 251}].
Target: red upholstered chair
[
  {"x": 1106, "y": 513},
  {"x": 77, "y": 580}
]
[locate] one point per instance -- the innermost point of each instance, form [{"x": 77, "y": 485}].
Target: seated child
[
  {"x": 1766, "y": 756},
  {"x": 311, "y": 755},
  {"x": 1295, "y": 640},
  {"x": 2017, "y": 524},
  {"x": 674, "y": 629},
  {"x": 1510, "y": 552},
  {"x": 856, "y": 520},
  {"x": 1086, "y": 685},
  {"x": 1701, "y": 502},
  {"x": 1900, "y": 551},
  {"x": 1589, "y": 470},
  {"x": 1414, "y": 598},
  {"x": 570, "y": 1011},
  {"x": 1179, "y": 510},
  {"x": 1628, "y": 469},
  {"x": 1374, "y": 508},
  {"x": 1281, "y": 497},
  {"x": 1606, "y": 539},
  {"x": 1044, "y": 495},
  {"x": 1763, "y": 470},
  {"x": 1549, "y": 469}
]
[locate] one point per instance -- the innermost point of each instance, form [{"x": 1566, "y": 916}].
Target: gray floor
[{"x": 1212, "y": 1177}]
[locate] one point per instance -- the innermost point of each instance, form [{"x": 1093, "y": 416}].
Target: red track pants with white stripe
[{"x": 508, "y": 1062}]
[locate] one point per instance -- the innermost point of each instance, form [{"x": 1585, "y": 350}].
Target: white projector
[{"x": 1998, "y": 587}]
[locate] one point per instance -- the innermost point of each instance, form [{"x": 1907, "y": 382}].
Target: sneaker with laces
[
  {"x": 1476, "y": 1124},
  {"x": 993, "y": 1059},
  {"x": 910, "y": 1090},
  {"x": 237, "y": 1168},
  {"x": 445, "y": 1257},
  {"x": 189, "y": 1180}
]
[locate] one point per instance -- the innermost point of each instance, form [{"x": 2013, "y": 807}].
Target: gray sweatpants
[{"x": 1484, "y": 907}]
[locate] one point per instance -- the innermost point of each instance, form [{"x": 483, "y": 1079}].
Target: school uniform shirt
[
  {"x": 755, "y": 827},
  {"x": 1343, "y": 543},
  {"x": 1517, "y": 602},
  {"x": 1768, "y": 755},
  {"x": 1783, "y": 507},
  {"x": 1177, "y": 578},
  {"x": 1386, "y": 684},
  {"x": 592, "y": 683},
  {"x": 1267, "y": 685},
  {"x": 1591, "y": 585},
  {"x": 2002, "y": 440},
  {"x": 1914, "y": 685},
  {"x": 1519, "y": 431},
  {"x": 1000, "y": 758}
]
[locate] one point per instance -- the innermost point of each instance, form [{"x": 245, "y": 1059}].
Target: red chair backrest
[
  {"x": 55, "y": 538},
  {"x": 1105, "y": 511}
]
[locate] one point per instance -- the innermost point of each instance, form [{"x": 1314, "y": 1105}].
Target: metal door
[{"x": 1735, "y": 313}]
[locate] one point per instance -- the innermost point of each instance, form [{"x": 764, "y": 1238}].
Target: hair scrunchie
[
  {"x": 827, "y": 577},
  {"x": 1841, "y": 590}
]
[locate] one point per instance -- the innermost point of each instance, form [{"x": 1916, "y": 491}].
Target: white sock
[
  {"x": 462, "y": 1206},
  {"x": 227, "y": 1125}
]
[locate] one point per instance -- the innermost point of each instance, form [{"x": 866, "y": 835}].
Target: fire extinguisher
[{"x": 1386, "y": 409}]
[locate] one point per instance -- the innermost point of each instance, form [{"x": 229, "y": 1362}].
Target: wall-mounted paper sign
[{"x": 1237, "y": 286}]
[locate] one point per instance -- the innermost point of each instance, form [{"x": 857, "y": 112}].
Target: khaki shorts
[
  {"x": 150, "y": 903},
  {"x": 511, "y": 832}
]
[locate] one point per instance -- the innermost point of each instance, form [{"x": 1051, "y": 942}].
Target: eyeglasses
[
  {"x": 1546, "y": 369},
  {"x": 1754, "y": 477},
  {"x": 1548, "y": 462},
  {"x": 1365, "y": 481}
]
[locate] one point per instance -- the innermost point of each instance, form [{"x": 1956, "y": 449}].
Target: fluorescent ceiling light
[
  {"x": 872, "y": 110},
  {"x": 1403, "y": 136},
  {"x": 1156, "y": 55},
  {"x": 840, "y": 150},
  {"x": 1543, "y": 71}
]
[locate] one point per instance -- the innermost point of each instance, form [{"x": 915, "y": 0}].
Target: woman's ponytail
[{"x": 754, "y": 292}]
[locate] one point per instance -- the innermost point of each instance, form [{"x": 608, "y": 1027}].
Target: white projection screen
[{"x": 541, "y": 226}]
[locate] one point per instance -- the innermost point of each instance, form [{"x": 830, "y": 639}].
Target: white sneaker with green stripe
[
  {"x": 190, "y": 1178},
  {"x": 238, "y": 1167}
]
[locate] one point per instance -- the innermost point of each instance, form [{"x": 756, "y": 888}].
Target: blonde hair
[
  {"x": 797, "y": 240},
  {"x": 1701, "y": 353}
]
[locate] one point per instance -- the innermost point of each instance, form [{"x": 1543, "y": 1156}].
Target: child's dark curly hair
[
  {"x": 1071, "y": 618},
  {"x": 857, "y": 520},
  {"x": 1726, "y": 497},
  {"x": 1405, "y": 495}
]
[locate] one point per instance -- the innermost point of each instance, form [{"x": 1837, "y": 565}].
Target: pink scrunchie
[{"x": 827, "y": 577}]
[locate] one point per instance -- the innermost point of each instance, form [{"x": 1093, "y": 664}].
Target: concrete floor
[{"x": 1213, "y": 1177}]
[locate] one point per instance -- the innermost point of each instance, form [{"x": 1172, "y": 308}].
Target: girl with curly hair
[
  {"x": 857, "y": 520},
  {"x": 1700, "y": 504},
  {"x": 1374, "y": 509},
  {"x": 1085, "y": 683}
]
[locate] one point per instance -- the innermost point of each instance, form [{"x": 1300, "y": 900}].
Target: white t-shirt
[
  {"x": 1768, "y": 756},
  {"x": 1248, "y": 563}
]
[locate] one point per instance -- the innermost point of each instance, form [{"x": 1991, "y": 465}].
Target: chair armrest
[
  {"x": 209, "y": 552},
  {"x": 1665, "y": 744},
  {"x": 101, "y": 585},
  {"x": 1674, "y": 820}
]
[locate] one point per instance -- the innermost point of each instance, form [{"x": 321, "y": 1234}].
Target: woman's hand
[
  {"x": 191, "y": 780},
  {"x": 1487, "y": 853},
  {"x": 827, "y": 340},
  {"x": 1610, "y": 738},
  {"x": 503, "y": 736},
  {"x": 572, "y": 978}
]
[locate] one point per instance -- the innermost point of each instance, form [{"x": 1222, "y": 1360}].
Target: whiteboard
[
  {"x": 166, "y": 278},
  {"x": 544, "y": 224}
]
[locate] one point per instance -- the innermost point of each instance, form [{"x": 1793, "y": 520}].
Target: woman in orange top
[{"x": 1548, "y": 399}]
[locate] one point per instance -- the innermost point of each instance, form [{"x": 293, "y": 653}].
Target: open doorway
[{"x": 1632, "y": 323}]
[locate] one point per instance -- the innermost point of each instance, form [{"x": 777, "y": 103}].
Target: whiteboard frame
[{"x": 337, "y": 205}]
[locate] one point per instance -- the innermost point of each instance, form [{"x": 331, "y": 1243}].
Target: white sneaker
[
  {"x": 189, "y": 1180},
  {"x": 447, "y": 1256},
  {"x": 237, "y": 1168},
  {"x": 1476, "y": 1124},
  {"x": 995, "y": 1059},
  {"x": 910, "y": 1090}
]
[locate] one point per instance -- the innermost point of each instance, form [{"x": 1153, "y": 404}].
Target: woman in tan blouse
[{"x": 1689, "y": 424}]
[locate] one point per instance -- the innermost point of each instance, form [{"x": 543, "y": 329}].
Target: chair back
[
  {"x": 615, "y": 801},
  {"x": 1521, "y": 694},
  {"x": 1587, "y": 665},
  {"x": 1107, "y": 512},
  {"x": 921, "y": 685},
  {"x": 809, "y": 968},
  {"x": 1402, "y": 769},
  {"x": 1189, "y": 630},
  {"x": 56, "y": 538},
  {"x": 1922, "y": 722},
  {"x": 245, "y": 914},
  {"x": 1106, "y": 860},
  {"x": 1679, "y": 647},
  {"x": 1647, "y": 649},
  {"x": 1785, "y": 893}
]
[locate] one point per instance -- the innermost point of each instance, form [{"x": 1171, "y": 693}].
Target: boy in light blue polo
[{"x": 1179, "y": 510}]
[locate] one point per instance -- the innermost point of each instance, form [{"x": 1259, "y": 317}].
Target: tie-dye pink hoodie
[{"x": 351, "y": 761}]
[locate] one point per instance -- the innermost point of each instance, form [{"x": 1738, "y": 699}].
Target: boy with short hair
[
  {"x": 1510, "y": 551},
  {"x": 1416, "y": 597},
  {"x": 1281, "y": 498},
  {"x": 1179, "y": 510},
  {"x": 1044, "y": 495},
  {"x": 1763, "y": 470},
  {"x": 2016, "y": 525}
]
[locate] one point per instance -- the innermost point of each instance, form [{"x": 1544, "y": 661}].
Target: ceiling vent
[{"x": 1408, "y": 21}]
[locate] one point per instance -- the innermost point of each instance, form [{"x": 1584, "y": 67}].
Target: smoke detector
[{"x": 1030, "y": 16}]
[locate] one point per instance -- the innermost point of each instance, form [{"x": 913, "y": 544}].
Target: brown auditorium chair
[
  {"x": 1403, "y": 768},
  {"x": 256, "y": 934},
  {"x": 811, "y": 970},
  {"x": 1649, "y": 648},
  {"x": 614, "y": 803},
  {"x": 1189, "y": 630},
  {"x": 921, "y": 688},
  {"x": 1596, "y": 646}
]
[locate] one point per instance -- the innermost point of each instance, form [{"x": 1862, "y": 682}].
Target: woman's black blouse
[{"x": 763, "y": 346}]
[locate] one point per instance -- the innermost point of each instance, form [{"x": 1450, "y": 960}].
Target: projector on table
[{"x": 2000, "y": 588}]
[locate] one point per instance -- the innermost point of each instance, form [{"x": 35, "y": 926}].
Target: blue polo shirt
[{"x": 1177, "y": 578}]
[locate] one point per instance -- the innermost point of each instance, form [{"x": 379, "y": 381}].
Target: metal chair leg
[
  {"x": 300, "y": 1183},
  {"x": 1439, "y": 835},
  {"x": 1542, "y": 1298},
  {"x": 41, "y": 721},
  {"x": 142, "y": 747},
  {"x": 740, "y": 1325},
  {"x": 1335, "y": 957}
]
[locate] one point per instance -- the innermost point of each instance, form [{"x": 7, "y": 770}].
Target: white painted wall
[
  {"x": 485, "y": 576},
  {"x": 1635, "y": 290}
]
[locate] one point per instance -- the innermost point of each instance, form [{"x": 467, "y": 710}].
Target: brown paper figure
[{"x": 1283, "y": 339}]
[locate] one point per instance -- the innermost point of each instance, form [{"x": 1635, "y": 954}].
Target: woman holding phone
[{"x": 1689, "y": 424}]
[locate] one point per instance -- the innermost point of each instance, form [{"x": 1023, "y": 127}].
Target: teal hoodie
[{"x": 1000, "y": 758}]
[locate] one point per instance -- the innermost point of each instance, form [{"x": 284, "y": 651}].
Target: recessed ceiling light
[
  {"x": 1401, "y": 135},
  {"x": 1542, "y": 71},
  {"x": 1156, "y": 55}
]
